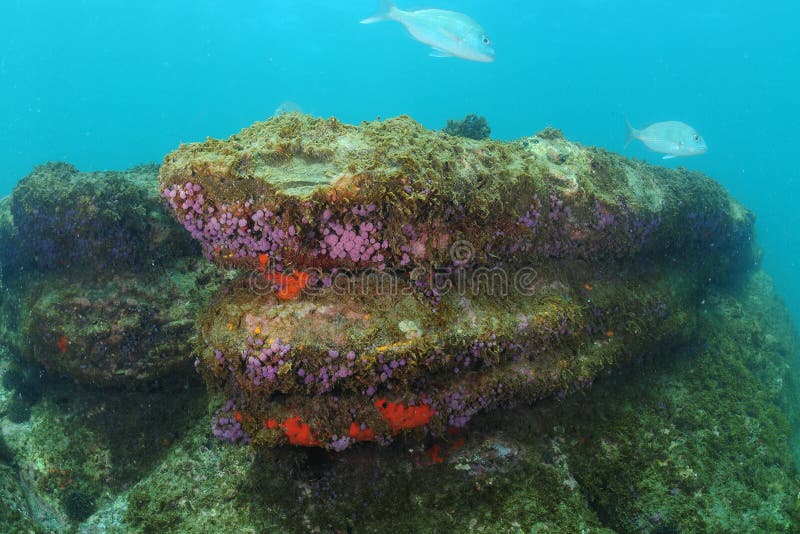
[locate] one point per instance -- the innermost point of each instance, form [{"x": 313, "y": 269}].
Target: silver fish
[
  {"x": 672, "y": 138},
  {"x": 450, "y": 34}
]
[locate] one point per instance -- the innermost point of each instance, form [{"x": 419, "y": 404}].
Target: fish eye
[
  {"x": 696, "y": 137},
  {"x": 486, "y": 40}
]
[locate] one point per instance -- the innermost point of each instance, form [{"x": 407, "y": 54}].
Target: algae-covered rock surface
[
  {"x": 61, "y": 218},
  {"x": 100, "y": 284},
  {"x": 398, "y": 330},
  {"x": 82, "y": 447},
  {"x": 697, "y": 442},
  {"x": 118, "y": 330},
  {"x": 319, "y": 193},
  {"x": 394, "y": 279}
]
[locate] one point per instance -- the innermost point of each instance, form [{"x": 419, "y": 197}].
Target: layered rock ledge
[
  {"x": 396, "y": 279},
  {"x": 101, "y": 284}
]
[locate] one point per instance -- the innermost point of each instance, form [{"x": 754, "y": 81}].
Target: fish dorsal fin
[{"x": 436, "y": 52}]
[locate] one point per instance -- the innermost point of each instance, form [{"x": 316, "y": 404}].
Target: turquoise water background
[{"x": 106, "y": 84}]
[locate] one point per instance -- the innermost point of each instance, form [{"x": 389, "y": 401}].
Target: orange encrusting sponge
[
  {"x": 361, "y": 435},
  {"x": 298, "y": 432},
  {"x": 289, "y": 285},
  {"x": 401, "y": 417}
]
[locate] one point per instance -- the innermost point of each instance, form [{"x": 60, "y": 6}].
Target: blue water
[{"x": 106, "y": 84}]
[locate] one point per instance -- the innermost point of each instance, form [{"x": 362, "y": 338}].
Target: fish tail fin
[
  {"x": 386, "y": 11},
  {"x": 631, "y": 131}
]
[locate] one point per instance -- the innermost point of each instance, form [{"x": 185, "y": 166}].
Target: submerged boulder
[
  {"x": 62, "y": 219},
  {"x": 606, "y": 261},
  {"x": 101, "y": 285},
  {"x": 694, "y": 442},
  {"x": 314, "y": 193},
  {"x": 394, "y": 278},
  {"x": 118, "y": 330}
]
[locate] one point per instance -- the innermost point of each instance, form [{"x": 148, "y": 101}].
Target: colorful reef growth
[
  {"x": 692, "y": 442},
  {"x": 414, "y": 332},
  {"x": 395, "y": 280},
  {"x": 101, "y": 284},
  {"x": 99, "y": 294}
]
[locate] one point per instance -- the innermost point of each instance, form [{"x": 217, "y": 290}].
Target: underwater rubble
[{"x": 411, "y": 331}]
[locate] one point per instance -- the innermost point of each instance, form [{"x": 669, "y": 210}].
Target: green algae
[
  {"x": 6, "y": 454},
  {"x": 18, "y": 411},
  {"x": 644, "y": 423},
  {"x": 78, "y": 506},
  {"x": 696, "y": 442},
  {"x": 15, "y": 514},
  {"x": 451, "y": 189},
  {"x": 629, "y": 248},
  {"x": 705, "y": 445},
  {"x": 101, "y": 284},
  {"x": 97, "y": 443},
  {"x": 471, "y": 127}
]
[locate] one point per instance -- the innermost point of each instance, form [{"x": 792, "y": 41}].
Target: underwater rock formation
[
  {"x": 315, "y": 193},
  {"x": 100, "y": 283},
  {"x": 63, "y": 219},
  {"x": 395, "y": 278},
  {"x": 678, "y": 355},
  {"x": 14, "y": 513},
  {"x": 694, "y": 442}
]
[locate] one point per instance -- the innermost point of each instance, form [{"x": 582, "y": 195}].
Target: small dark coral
[
  {"x": 78, "y": 506},
  {"x": 471, "y": 127}
]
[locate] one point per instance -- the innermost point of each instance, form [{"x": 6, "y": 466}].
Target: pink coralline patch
[
  {"x": 417, "y": 246},
  {"x": 442, "y": 241},
  {"x": 252, "y": 322}
]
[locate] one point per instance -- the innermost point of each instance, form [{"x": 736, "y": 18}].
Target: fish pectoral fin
[
  {"x": 452, "y": 36},
  {"x": 436, "y": 52},
  {"x": 669, "y": 156}
]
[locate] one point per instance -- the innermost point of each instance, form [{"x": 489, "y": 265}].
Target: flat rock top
[
  {"x": 299, "y": 156},
  {"x": 397, "y": 195}
]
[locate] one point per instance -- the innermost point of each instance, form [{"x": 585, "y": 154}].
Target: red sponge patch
[{"x": 400, "y": 416}]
